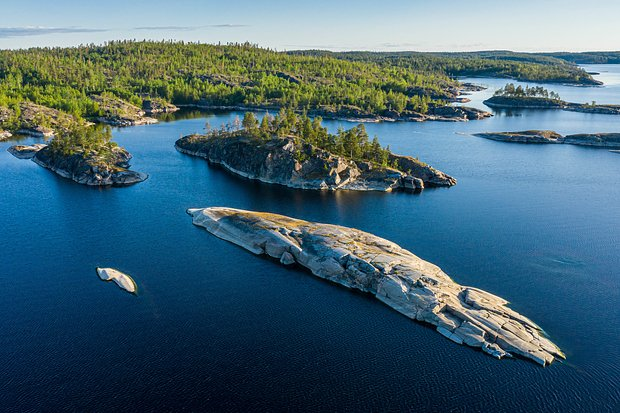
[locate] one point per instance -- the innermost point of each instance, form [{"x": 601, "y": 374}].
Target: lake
[{"x": 216, "y": 328}]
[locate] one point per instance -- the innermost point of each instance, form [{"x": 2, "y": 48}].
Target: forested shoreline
[
  {"x": 119, "y": 81},
  {"x": 527, "y": 67}
]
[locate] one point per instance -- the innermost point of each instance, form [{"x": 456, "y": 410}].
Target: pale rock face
[
  {"x": 26, "y": 151},
  {"x": 403, "y": 281},
  {"x": 123, "y": 280}
]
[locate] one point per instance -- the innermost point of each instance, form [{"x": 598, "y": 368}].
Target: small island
[
  {"x": 511, "y": 97},
  {"x": 84, "y": 154},
  {"x": 601, "y": 140},
  {"x": 123, "y": 280},
  {"x": 298, "y": 152},
  {"x": 364, "y": 262}
]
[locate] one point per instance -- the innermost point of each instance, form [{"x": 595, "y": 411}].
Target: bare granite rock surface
[
  {"x": 414, "y": 287},
  {"x": 25, "y": 151}
]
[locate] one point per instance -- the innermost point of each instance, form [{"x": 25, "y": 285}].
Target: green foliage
[
  {"x": 528, "y": 92},
  {"x": 79, "y": 138},
  {"x": 352, "y": 144},
  {"x": 250, "y": 123},
  {"x": 217, "y": 75},
  {"x": 520, "y": 66}
]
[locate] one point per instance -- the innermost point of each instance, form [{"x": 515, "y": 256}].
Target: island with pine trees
[
  {"x": 84, "y": 154},
  {"x": 298, "y": 152},
  {"x": 537, "y": 97}
]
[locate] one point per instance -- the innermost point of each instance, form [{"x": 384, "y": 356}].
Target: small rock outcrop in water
[
  {"x": 121, "y": 279},
  {"x": 90, "y": 169},
  {"x": 603, "y": 140},
  {"x": 25, "y": 151},
  {"x": 410, "y": 285},
  {"x": 297, "y": 164}
]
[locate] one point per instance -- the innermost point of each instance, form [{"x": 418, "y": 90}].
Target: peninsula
[
  {"x": 84, "y": 154},
  {"x": 511, "y": 97},
  {"x": 297, "y": 152},
  {"x": 373, "y": 265},
  {"x": 602, "y": 140}
]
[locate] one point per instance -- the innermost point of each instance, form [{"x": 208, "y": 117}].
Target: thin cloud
[
  {"x": 9, "y": 32},
  {"x": 189, "y": 28},
  {"x": 175, "y": 28},
  {"x": 227, "y": 25},
  {"x": 399, "y": 45}
]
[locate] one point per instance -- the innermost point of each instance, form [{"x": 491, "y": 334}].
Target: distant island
[
  {"x": 603, "y": 140},
  {"x": 525, "y": 67},
  {"x": 511, "y": 97},
  {"x": 85, "y": 155},
  {"x": 295, "y": 151},
  {"x": 361, "y": 261}
]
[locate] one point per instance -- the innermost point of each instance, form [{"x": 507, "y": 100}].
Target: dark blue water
[{"x": 215, "y": 328}]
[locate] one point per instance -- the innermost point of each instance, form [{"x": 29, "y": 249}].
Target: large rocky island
[
  {"x": 84, "y": 155},
  {"x": 601, "y": 140},
  {"x": 295, "y": 162},
  {"x": 395, "y": 276}
]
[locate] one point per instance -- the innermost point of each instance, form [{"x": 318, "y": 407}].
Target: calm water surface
[{"x": 216, "y": 328}]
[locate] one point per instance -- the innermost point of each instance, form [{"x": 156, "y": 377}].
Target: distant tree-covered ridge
[
  {"x": 215, "y": 75},
  {"x": 587, "y": 57},
  {"x": 504, "y": 64}
]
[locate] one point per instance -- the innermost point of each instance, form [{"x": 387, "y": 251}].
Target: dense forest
[
  {"x": 587, "y": 57},
  {"x": 216, "y": 75},
  {"x": 73, "y": 80},
  {"x": 504, "y": 64}
]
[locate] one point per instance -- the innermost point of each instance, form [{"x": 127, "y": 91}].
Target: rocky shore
[
  {"x": 507, "y": 102},
  {"x": 117, "y": 112},
  {"x": 354, "y": 114},
  {"x": 602, "y": 140},
  {"x": 88, "y": 169},
  {"x": 403, "y": 281},
  {"x": 25, "y": 151},
  {"x": 34, "y": 120},
  {"x": 291, "y": 162},
  {"x": 154, "y": 106}
]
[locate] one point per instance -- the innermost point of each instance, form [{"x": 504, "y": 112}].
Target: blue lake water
[{"x": 215, "y": 328}]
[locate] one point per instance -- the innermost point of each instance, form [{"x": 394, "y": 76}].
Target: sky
[{"x": 389, "y": 25}]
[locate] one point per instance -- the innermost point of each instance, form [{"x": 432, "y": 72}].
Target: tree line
[
  {"x": 354, "y": 143},
  {"x": 526, "y": 92},
  {"x": 216, "y": 75}
]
